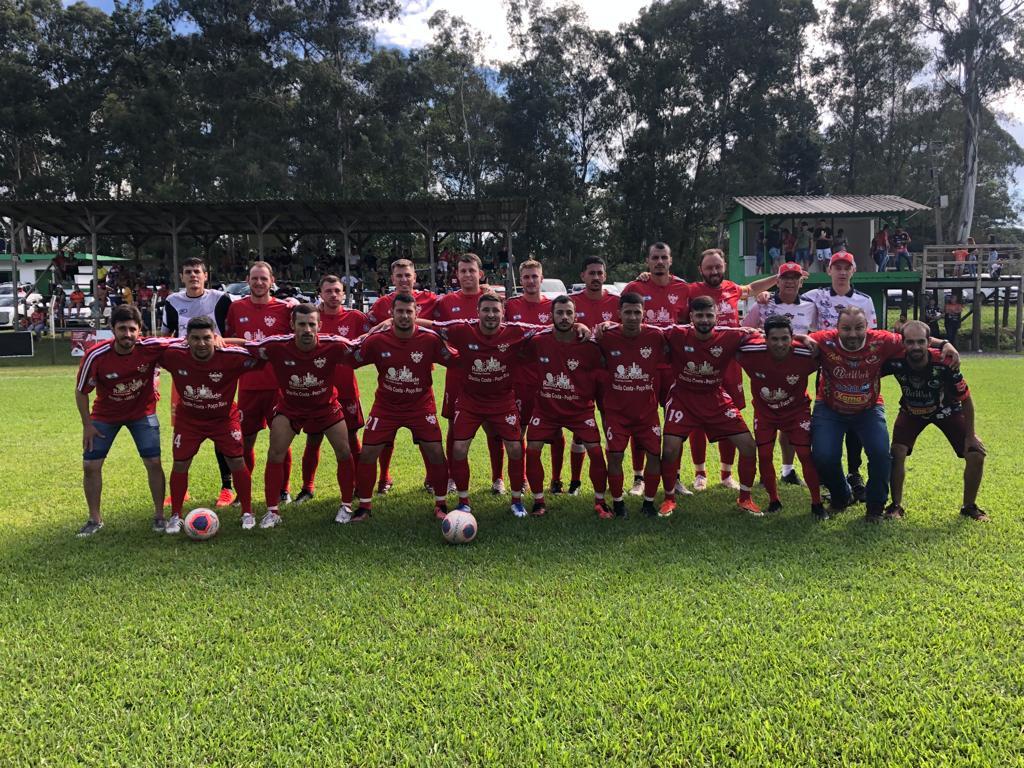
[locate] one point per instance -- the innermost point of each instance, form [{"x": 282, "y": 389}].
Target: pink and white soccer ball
[
  {"x": 459, "y": 527},
  {"x": 201, "y": 524}
]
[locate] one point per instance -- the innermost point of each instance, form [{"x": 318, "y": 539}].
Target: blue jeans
[
  {"x": 145, "y": 432},
  {"x": 882, "y": 259},
  {"x": 828, "y": 430},
  {"x": 900, "y": 256}
]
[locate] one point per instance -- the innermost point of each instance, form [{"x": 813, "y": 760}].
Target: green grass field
[{"x": 710, "y": 638}]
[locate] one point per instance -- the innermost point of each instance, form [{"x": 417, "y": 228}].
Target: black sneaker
[
  {"x": 556, "y": 487},
  {"x": 539, "y": 510},
  {"x": 574, "y": 487},
  {"x": 286, "y": 497},
  {"x": 774, "y": 506},
  {"x": 89, "y": 529},
  {"x": 427, "y": 487},
  {"x": 619, "y": 508},
  {"x": 819, "y": 511},
  {"x": 648, "y": 509},
  {"x": 873, "y": 514},
  {"x": 791, "y": 478},
  {"x": 303, "y": 497},
  {"x": 973, "y": 511},
  {"x": 159, "y": 524},
  {"x": 894, "y": 512},
  {"x": 361, "y": 515},
  {"x": 858, "y": 492}
]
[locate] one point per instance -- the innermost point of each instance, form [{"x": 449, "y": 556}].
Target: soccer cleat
[
  {"x": 602, "y": 510},
  {"x": 975, "y": 513},
  {"x": 303, "y": 497},
  {"x": 344, "y": 515},
  {"x": 773, "y": 507},
  {"x": 248, "y": 521},
  {"x": 638, "y": 486},
  {"x": 873, "y": 516},
  {"x": 90, "y": 527},
  {"x": 286, "y": 497},
  {"x": 574, "y": 487},
  {"x": 648, "y": 510},
  {"x": 270, "y": 520},
  {"x": 440, "y": 510},
  {"x": 462, "y": 507},
  {"x": 894, "y": 512},
  {"x": 668, "y": 506},
  {"x": 384, "y": 486},
  {"x": 451, "y": 487},
  {"x": 556, "y": 487},
  {"x": 361, "y": 515},
  {"x": 159, "y": 524},
  {"x": 518, "y": 508},
  {"x": 429, "y": 489},
  {"x": 225, "y": 499},
  {"x": 619, "y": 508},
  {"x": 858, "y": 492},
  {"x": 791, "y": 478},
  {"x": 498, "y": 487},
  {"x": 167, "y": 500},
  {"x": 700, "y": 482},
  {"x": 729, "y": 482},
  {"x": 750, "y": 506},
  {"x": 682, "y": 489},
  {"x": 539, "y": 510},
  {"x": 819, "y": 511},
  {"x": 173, "y": 525}
]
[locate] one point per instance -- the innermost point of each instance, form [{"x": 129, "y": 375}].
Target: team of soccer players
[{"x": 525, "y": 371}]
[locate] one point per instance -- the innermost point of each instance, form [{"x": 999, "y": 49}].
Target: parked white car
[{"x": 552, "y": 288}]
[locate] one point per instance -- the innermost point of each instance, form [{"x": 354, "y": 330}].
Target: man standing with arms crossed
[{"x": 934, "y": 392}]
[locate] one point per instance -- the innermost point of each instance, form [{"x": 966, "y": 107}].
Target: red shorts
[
  {"x": 907, "y": 428},
  {"x": 226, "y": 435},
  {"x": 353, "y": 415},
  {"x": 602, "y": 384},
  {"x": 794, "y": 425},
  {"x": 545, "y": 430},
  {"x": 313, "y": 422},
  {"x": 732, "y": 383},
  {"x": 257, "y": 408},
  {"x": 646, "y": 433},
  {"x": 526, "y": 401},
  {"x": 381, "y": 428},
  {"x": 715, "y": 414},
  {"x": 505, "y": 425},
  {"x": 451, "y": 394}
]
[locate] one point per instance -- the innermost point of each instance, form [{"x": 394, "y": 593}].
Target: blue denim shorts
[{"x": 145, "y": 433}]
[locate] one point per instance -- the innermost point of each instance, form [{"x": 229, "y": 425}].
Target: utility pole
[{"x": 936, "y": 196}]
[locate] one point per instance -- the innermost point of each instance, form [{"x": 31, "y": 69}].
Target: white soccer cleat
[
  {"x": 451, "y": 487},
  {"x": 248, "y": 521},
  {"x": 173, "y": 524},
  {"x": 638, "y": 487},
  {"x": 700, "y": 483},
  {"x": 344, "y": 515},
  {"x": 498, "y": 487},
  {"x": 729, "y": 482},
  {"x": 270, "y": 520},
  {"x": 682, "y": 489}
]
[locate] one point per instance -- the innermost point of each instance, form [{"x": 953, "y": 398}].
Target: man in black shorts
[{"x": 933, "y": 393}]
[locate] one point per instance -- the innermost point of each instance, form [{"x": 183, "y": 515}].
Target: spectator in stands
[
  {"x": 759, "y": 252},
  {"x": 804, "y": 239},
  {"x": 308, "y": 264},
  {"x": 37, "y": 321},
  {"x": 77, "y": 298},
  {"x": 840, "y": 241},
  {"x": 127, "y": 296},
  {"x": 995, "y": 265},
  {"x": 953, "y": 316},
  {"x": 972, "y": 257},
  {"x": 880, "y": 248},
  {"x": 59, "y": 264},
  {"x": 898, "y": 325},
  {"x": 822, "y": 244},
  {"x": 931, "y": 316},
  {"x": 774, "y": 243},
  {"x": 788, "y": 245},
  {"x": 442, "y": 266},
  {"x": 902, "y": 241}
]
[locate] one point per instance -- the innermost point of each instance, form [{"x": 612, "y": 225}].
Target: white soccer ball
[
  {"x": 201, "y": 524},
  {"x": 459, "y": 527}
]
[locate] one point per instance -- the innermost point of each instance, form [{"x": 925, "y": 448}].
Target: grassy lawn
[{"x": 709, "y": 638}]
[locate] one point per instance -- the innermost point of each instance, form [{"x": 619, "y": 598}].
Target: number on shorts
[
  {"x": 676, "y": 417},
  {"x": 374, "y": 423}
]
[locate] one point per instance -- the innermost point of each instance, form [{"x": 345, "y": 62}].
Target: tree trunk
[{"x": 971, "y": 99}]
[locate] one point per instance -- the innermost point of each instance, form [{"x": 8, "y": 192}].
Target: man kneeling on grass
[{"x": 934, "y": 392}]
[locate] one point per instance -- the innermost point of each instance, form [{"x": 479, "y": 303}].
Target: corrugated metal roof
[{"x": 827, "y": 205}]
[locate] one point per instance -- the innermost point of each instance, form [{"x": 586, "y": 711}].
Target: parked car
[
  {"x": 552, "y": 288},
  {"x": 236, "y": 290}
]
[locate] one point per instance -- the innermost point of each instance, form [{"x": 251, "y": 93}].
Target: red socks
[
  {"x": 286, "y": 471},
  {"x": 727, "y": 454},
  {"x": 496, "y": 449},
  {"x": 310, "y": 461},
  {"x": 748, "y": 470},
  {"x": 437, "y": 475},
  {"x": 576, "y": 464},
  {"x": 179, "y": 484},
  {"x": 598, "y": 470},
  {"x": 366, "y": 476},
  {"x": 651, "y": 484},
  {"x": 638, "y": 458},
  {"x": 669, "y": 474},
  {"x": 242, "y": 480},
  {"x": 810, "y": 472},
  {"x": 385, "y": 461},
  {"x": 557, "y": 456},
  {"x": 698, "y": 447},
  {"x": 460, "y": 474},
  {"x": 517, "y": 473},
  {"x": 615, "y": 483},
  {"x": 250, "y": 457},
  {"x": 535, "y": 471},
  {"x": 273, "y": 476},
  {"x": 766, "y": 458}
]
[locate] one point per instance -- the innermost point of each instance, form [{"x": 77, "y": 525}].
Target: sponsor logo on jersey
[
  {"x": 113, "y": 376},
  {"x": 307, "y": 381},
  {"x": 289, "y": 362}
]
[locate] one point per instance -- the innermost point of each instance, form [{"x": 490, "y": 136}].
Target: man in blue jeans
[{"x": 851, "y": 357}]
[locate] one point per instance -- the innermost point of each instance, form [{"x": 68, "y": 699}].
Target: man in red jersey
[
  {"x": 531, "y": 307},
  {"x": 778, "y": 368},
  {"x": 121, "y": 371},
  {"x": 336, "y": 320},
  {"x": 849, "y": 398},
  {"x": 404, "y": 356},
  {"x": 727, "y": 296},
  {"x": 701, "y": 353},
  {"x": 462, "y": 305},
  {"x": 633, "y": 354},
  {"x": 304, "y": 364},
  {"x": 489, "y": 350},
  {"x": 205, "y": 378},
  {"x": 254, "y": 318},
  {"x": 566, "y": 365}
]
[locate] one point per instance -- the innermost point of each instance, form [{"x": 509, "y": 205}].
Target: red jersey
[
  {"x": 123, "y": 383},
  {"x": 404, "y": 381},
  {"x": 591, "y": 312},
  {"x": 727, "y": 296},
  {"x": 567, "y": 376},
  {"x": 351, "y": 324},
  {"x": 306, "y": 379},
  {"x": 664, "y": 305},
  {"x": 457, "y": 306},
  {"x": 849, "y": 381},
  {"x": 207, "y": 387},
  {"x": 519, "y": 310},
  {"x": 255, "y": 322},
  {"x": 486, "y": 363},
  {"x": 779, "y": 387},
  {"x": 698, "y": 366},
  {"x": 632, "y": 363},
  {"x": 381, "y": 309}
]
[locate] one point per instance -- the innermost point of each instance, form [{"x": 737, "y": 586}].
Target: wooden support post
[
  {"x": 345, "y": 247},
  {"x": 995, "y": 321},
  {"x": 978, "y": 302},
  {"x": 1017, "y": 342}
]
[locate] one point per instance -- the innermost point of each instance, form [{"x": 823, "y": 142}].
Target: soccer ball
[
  {"x": 459, "y": 527},
  {"x": 201, "y": 524}
]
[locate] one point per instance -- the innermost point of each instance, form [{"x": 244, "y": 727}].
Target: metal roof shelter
[
  {"x": 205, "y": 220},
  {"x": 827, "y": 205}
]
